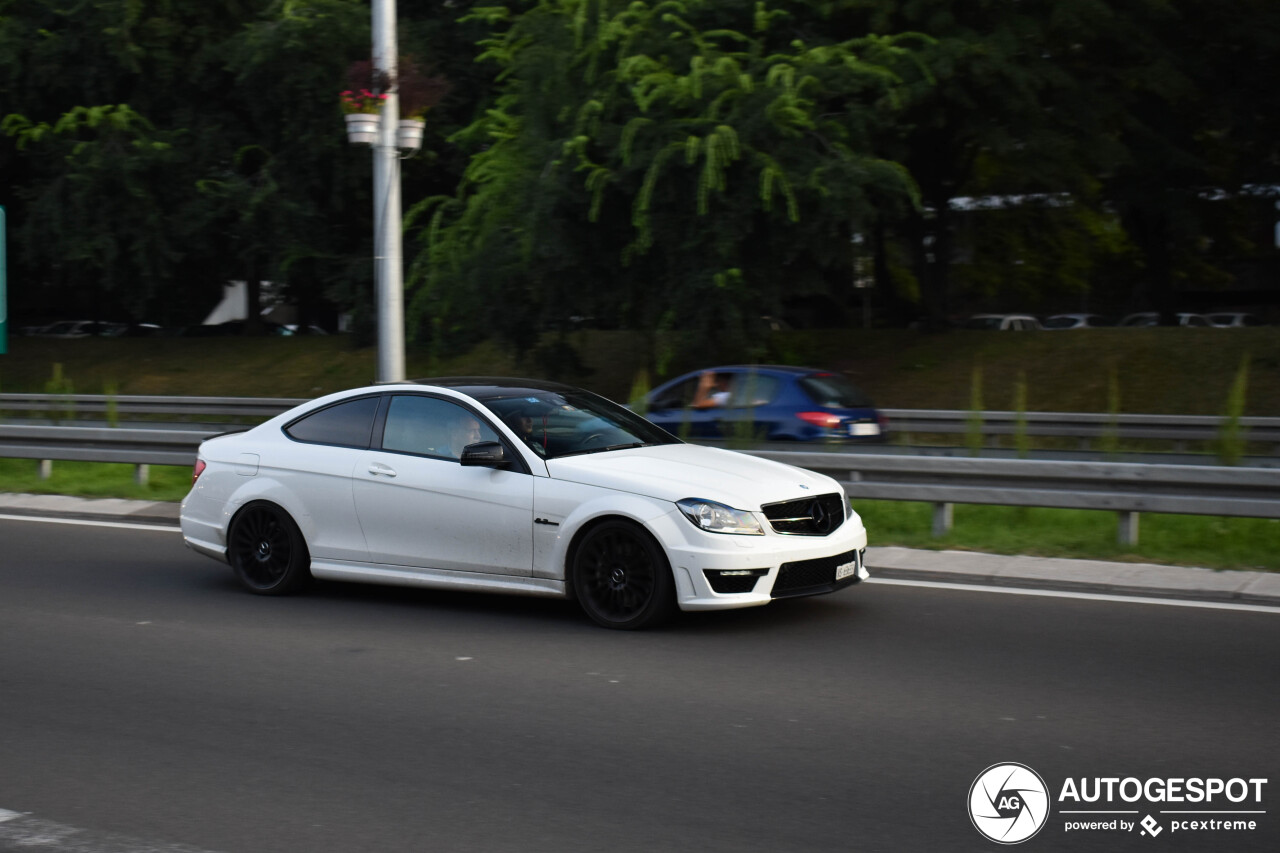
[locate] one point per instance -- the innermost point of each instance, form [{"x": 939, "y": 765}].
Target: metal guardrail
[
  {"x": 66, "y": 405},
  {"x": 102, "y": 444},
  {"x": 137, "y": 447},
  {"x": 1080, "y": 425},
  {"x": 1126, "y": 488},
  {"x": 902, "y": 422}
]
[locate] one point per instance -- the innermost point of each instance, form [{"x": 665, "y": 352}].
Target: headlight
[{"x": 717, "y": 518}]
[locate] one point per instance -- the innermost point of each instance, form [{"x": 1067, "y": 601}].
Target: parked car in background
[
  {"x": 1152, "y": 318},
  {"x": 515, "y": 486},
  {"x": 1077, "y": 321},
  {"x": 1003, "y": 322},
  {"x": 767, "y": 403},
  {"x": 81, "y": 329},
  {"x": 1234, "y": 319}
]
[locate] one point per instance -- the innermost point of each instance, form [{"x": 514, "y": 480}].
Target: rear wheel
[
  {"x": 267, "y": 552},
  {"x": 622, "y": 578}
]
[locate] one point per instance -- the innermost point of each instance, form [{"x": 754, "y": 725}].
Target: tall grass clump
[
  {"x": 1110, "y": 440},
  {"x": 973, "y": 426},
  {"x": 1231, "y": 437},
  {"x": 58, "y": 384},
  {"x": 111, "y": 390},
  {"x": 639, "y": 396},
  {"x": 1021, "y": 441}
]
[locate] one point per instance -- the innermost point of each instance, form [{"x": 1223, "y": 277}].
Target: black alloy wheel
[
  {"x": 267, "y": 551},
  {"x": 621, "y": 577}
]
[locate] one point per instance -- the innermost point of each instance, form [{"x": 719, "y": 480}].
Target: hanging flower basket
[
  {"x": 362, "y": 128},
  {"x": 362, "y": 107},
  {"x": 409, "y": 134}
]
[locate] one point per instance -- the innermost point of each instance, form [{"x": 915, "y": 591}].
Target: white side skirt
[{"x": 437, "y": 579}]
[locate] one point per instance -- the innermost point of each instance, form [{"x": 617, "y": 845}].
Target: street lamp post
[{"x": 388, "y": 253}]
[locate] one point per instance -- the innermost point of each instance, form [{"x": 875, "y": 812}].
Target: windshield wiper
[{"x": 625, "y": 446}]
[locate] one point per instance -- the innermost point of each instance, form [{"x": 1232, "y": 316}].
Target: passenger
[
  {"x": 465, "y": 431},
  {"x": 712, "y": 390}
]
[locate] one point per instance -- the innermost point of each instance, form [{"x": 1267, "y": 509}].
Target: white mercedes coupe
[{"x": 517, "y": 486}]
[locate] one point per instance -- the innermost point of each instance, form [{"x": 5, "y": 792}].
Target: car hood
[{"x": 677, "y": 471}]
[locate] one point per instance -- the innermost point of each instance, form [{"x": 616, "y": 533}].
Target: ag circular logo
[{"x": 1008, "y": 803}]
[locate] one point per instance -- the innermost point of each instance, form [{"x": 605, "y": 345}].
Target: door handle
[{"x": 377, "y": 468}]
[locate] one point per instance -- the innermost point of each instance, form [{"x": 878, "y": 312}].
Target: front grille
[
  {"x": 811, "y": 577},
  {"x": 816, "y": 516}
]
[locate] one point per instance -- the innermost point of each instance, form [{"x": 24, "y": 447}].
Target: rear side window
[
  {"x": 347, "y": 424},
  {"x": 834, "y": 391}
]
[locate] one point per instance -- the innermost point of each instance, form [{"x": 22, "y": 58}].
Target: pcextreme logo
[{"x": 1009, "y": 803}]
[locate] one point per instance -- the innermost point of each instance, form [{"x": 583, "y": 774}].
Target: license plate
[
  {"x": 864, "y": 429},
  {"x": 845, "y": 570}
]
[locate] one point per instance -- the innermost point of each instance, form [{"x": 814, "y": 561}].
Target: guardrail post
[
  {"x": 1128, "y": 534},
  {"x": 46, "y": 469},
  {"x": 943, "y": 516},
  {"x": 141, "y": 473}
]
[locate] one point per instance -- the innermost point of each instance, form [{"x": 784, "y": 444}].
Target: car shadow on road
[{"x": 818, "y": 613}]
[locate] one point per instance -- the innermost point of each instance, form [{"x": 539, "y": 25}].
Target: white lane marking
[
  {"x": 1085, "y": 596},
  {"x": 85, "y": 522},
  {"x": 18, "y": 830},
  {"x": 1045, "y": 593}
]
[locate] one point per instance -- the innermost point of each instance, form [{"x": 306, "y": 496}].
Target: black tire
[
  {"x": 267, "y": 551},
  {"x": 621, "y": 577}
]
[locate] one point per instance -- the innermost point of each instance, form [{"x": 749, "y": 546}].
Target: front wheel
[
  {"x": 267, "y": 551},
  {"x": 622, "y": 578}
]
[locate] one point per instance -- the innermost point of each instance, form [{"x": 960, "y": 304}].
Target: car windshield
[
  {"x": 569, "y": 422},
  {"x": 833, "y": 391}
]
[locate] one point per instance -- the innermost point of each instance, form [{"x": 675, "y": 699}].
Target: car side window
[
  {"x": 348, "y": 424},
  {"x": 752, "y": 389},
  {"x": 430, "y": 426},
  {"x": 679, "y": 396}
]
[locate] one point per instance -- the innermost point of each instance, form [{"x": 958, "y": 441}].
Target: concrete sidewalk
[{"x": 963, "y": 567}]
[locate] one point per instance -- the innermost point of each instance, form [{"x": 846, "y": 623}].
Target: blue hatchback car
[{"x": 765, "y": 403}]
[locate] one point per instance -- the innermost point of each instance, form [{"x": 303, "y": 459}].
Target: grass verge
[
  {"x": 95, "y": 480},
  {"x": 1178, "y": 540},
  {"x": 1189, "y": 540}
]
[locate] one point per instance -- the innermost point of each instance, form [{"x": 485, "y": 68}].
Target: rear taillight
[
  {"x": 826, "y": 420},
  {"x": 197, "y": 471}
]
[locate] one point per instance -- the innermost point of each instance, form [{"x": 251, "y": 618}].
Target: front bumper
[{"x": 724, "y": 572}]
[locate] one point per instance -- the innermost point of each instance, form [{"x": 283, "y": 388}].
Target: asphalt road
[{"x": 147, "y": 703}]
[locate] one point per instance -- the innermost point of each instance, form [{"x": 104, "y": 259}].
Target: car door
[
  {"x": 420, "y": 508},
  {"x": 320, "y": 450}
]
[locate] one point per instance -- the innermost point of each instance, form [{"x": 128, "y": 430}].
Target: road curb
[
  {"x": 1065, "y": 574},
  {"x": 91, "y": 509}
]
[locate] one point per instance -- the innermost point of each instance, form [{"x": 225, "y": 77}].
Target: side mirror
[{"x": 484, "y": 454}]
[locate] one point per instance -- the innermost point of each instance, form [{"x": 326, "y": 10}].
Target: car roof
[
  {"x": 481, "y": 387},
  {"x": 789, "y": 369}
]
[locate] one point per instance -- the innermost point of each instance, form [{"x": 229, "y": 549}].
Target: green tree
[
  {"x": 293, "y": 197},
  {"x": 677, "y": 166},
  {"x": 108, "y": 105}
]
